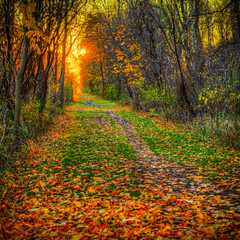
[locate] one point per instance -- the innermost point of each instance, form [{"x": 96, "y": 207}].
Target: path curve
[{"x": 156, "y": 171}]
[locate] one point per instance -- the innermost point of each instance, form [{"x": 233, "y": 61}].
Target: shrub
[
  {"x": 112, "y": 92},
  {"x": 6, "y": 135},
  {"x": 68, "y": 91},
  {"x": 227, "y": 131},
  {"x": 33, "y": 123},
  {"x": 162, "y": 102}
]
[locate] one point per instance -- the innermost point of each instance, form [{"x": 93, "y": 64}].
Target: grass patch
[
  {"x": 188, "y": 148},
  {"x": 108, "y": 103},
  {"x": 88, "y": 150}
]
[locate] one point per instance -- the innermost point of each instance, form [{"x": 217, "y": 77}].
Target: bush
[
  {"x": 112, "y": 92},
  {"x": 226, "y": 130},
  {"x": 161, "y": 102},
  {"x": 68, "y": 91},
  {"x": 6, "y": 135},
  {"x": 219, "y": 104},
  {"x": 33, "y": 123}
]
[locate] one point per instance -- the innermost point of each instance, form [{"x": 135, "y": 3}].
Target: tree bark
[
  {"x": 103, "y": 81},
  {"x": 61, "y": 81},
  {"x": 237, "y": 33},
  {"x": 182, "y": 86},
  {"x": 18, "y": 85},
  {"x": 55, "y": 76},
  {"x": 43, "y": 99}
]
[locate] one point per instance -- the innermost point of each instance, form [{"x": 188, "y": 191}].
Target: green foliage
[
  {"x": 69, "y": 91},
  {"x": 164, "y": 97},
  {"x": 33, "y": 123},
  {"x": 220, "y": 101},
  {"x": 152, "y": 113},
  {"x": 218, "y": 94},
  {"x": 112, "y": 92},
  {"x": 151, "y": 94},
  {"x": 87, "y": 89},
  {"x": 161, "y": 102}
]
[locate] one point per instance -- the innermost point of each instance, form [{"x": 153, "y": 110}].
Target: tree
[
  {"x": 18, "y": 85},
  {"x": 61, "y": 81}
]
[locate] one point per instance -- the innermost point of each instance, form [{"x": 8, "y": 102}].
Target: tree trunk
[
  {"x": 44, "y": 83},
  {"x": 18, "y": 85},
  {"x": 192, "y": 25},
  {"x": 55, "y": 76},
  {"x": 61, "y": 81},
  {"x": 183, "y": 97},
  {"x": 236, "y": 11},
  {"x": 103, "y": 81},
  {"x": 208, "y": 28}
]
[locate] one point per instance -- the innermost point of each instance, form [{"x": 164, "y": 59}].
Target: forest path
[
  {"x": 93, "y": 176},
  {"x": 156, "y": 171}
]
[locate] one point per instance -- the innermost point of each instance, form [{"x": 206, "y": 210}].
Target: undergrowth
[{"x": 32, "y": 124}]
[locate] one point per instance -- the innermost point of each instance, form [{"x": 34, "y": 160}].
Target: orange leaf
[{"x": 91, "y": 190}]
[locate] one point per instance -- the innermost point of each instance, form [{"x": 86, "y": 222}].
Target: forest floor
[{"x": 104, "y": 171}]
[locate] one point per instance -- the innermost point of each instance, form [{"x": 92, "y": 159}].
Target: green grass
[
  {"x": 81, "y": 102},
  {"x": 89, "y": 148},
  {"x": 188, "y": 148},
  {"x": 180, "y": 144},
  {"x": 107, "y": 103}
]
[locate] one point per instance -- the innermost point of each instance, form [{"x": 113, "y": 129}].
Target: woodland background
[{"x": 177, "y": 59}]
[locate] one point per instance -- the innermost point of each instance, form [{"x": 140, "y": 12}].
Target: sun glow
[
  {"x": 73, "y": 63},
  {"x": 83, "y": 51}
]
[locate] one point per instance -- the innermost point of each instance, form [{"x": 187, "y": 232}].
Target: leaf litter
[{"x": 93, "y": 177}]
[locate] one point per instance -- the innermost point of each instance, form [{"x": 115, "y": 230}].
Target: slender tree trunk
[
  {"x": 55, "y": 76},
  {"x": 156, "y": 66},
  {"x": 208, "y": 27},
  {"x": 61, "y": 81},
  {"x": 18, "y": 85},
  {"x": 192, "y": 25},
  {"x": 7, "y": 76},
  {"x": 103, "y": 81},
  {"x": 118, "y": 8},
  {"x": 183, "y": 97},
  {"x": 236, "y": 10},
  {"x": 44, "y": 83}
]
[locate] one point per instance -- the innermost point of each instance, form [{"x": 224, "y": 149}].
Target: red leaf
[
  {"x": 105, "y": 225},
  {"x": 93, "y": 224}
]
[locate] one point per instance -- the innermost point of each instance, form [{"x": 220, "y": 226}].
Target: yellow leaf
[
  {"x": 77, "y": 237},
  {"x": 53, "y": 234},
  {"x": 78, "y": 204}
]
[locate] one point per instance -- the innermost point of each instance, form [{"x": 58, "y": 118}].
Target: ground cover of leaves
[{"x": 76, "y": 183}]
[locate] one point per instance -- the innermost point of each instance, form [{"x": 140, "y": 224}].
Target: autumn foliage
[
  {"x": 76, "y": 183},
  {"x": 177, "y": 59}
]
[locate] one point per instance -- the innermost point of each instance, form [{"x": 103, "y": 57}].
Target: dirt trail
[{"x": 155, "y": 171}]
